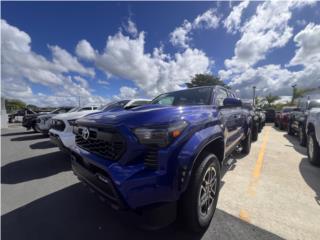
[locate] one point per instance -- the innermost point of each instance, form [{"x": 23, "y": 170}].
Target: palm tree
[{"x": 271, "y": 99}]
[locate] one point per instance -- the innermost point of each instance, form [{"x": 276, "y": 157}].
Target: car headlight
[
  {"x": 44, "y": 119},
  {"x": 160, "y": 136},
  {"x": 72, "y": 122}
]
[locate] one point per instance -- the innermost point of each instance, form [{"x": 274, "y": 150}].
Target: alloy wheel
[
  {"x": 207, "y": 192},
  {"x": 311, "y": 147}
]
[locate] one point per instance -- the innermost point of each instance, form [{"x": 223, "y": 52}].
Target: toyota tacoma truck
[
  {"x": 62, "y": 124},
  {"x": 43, "y": 122},
  {"x": 167, "y": 153},
  {"x": 313, "y": 135}
]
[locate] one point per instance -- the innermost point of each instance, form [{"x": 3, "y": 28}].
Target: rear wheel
[
  {"x": 290, "y": 130},
  {"x": 199, "y": 202},
  {"x": 313, "y": 149},
  {"x": 255, "y": 130},
  {"x": 302, "y": 137}
]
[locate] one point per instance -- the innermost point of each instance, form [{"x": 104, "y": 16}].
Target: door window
[{"x": 220, "y": 96}]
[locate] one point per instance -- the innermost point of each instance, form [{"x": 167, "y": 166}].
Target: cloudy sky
[{"x": 54, "y": 53}]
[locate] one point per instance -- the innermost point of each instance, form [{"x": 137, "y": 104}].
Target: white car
[{"x": 61, "y": 132}]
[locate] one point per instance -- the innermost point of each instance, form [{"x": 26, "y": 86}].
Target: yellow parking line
[
  {"x": 244, "y": 215},
  {"x": 258, "y": 166}
]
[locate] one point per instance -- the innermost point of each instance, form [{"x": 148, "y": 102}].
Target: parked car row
[
  {"x": 166, "y": 153},
  {"x": 304, "y": 122}
]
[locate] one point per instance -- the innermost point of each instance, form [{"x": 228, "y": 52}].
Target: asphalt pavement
[{"x": 272, "y": 193}]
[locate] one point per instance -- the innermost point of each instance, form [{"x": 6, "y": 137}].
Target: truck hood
[
  {"x": 74, "y": 115},
  {"x": 150, "y": 115},
  {"x": 29, "y": 116}
]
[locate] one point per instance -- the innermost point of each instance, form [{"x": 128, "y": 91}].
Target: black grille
[
  {"x": 150, "y": 159},
  {"x": 107, "y": 143},
  {"x": 58, "y": 125}
]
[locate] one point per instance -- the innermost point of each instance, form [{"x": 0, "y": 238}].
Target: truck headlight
[
  {"x": 72, "y": 122},
  {"x": 161, "y": 136}
]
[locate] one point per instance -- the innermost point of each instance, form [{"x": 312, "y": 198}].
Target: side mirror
[{"x": 231, "y": 102}]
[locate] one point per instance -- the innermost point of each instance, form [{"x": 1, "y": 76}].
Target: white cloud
[
  {"x": 68, "y": 63},
  {"x": 308, "y": 42},
  {"x": 131, "y": 28},
  {"x": 84, "y": 50},
  {"x": 261, "y": 34},
  {"x": 103, "y": 82},
  {"x": 154, "y": 73},
  {"x": 207, "y": 20},
  {"x": 181, "y": 35},
  {"x": 127, "y": 93},
  {"x": 232, "y": 22},
  {"x": 20, "y": 66}
]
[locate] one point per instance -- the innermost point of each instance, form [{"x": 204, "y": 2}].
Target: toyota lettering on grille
[{"x": 85, "y": 133}]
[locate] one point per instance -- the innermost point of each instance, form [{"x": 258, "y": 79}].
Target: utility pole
[
  {"x": 254, "y": 96},
  {"x": 79, "y": 101},
  {"x": 293, "y": 92}
]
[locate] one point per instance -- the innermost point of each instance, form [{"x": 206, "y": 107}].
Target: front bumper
[
  {"x": 55, "y": 139},
  {"x": 97, "y": 181},
  {"x": 136, "y": 185}
]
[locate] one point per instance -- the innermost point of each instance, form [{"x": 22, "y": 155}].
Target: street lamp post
[
  {"x": 254, "y": 95},
  {"x": 293, "y": 92}
]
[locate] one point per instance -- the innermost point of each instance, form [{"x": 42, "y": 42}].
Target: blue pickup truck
[{"x": 168, "y": 152}]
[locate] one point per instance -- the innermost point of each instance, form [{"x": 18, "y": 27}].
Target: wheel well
[
  {"x": 216, "y": 147},
  {"x": 310, "y": 128}
]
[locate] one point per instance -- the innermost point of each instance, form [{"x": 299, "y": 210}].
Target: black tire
[
  {"x": 276, "y": 124},
  {"x": 281, "y": 126},
  {"x": 246, "y": 144},
  {"x": 302, "y": 136},
  {"x": 36, "y": 129},
  {"x": 314, "y": 157},
  {"x": 290, "y": 130},
  {"x": 189, "y": 204},
  {"x": 254, "y": 134}
]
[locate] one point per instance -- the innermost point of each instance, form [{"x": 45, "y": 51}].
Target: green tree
[
  {"x": 300, "y": 92},
  {"x": 260, "y": 102},
  {"x": 14, "y": 104},
  {"x": 205, "y": 80},
  {"x": 32, "y": 107},
  {"x": 271, "y": 99}
]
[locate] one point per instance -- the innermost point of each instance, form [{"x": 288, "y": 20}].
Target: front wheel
[
  {"x": 199, "y": 202},
  {"x": 36, "y": 129},
  {"x": 313, "y": 149},
  {"x": 246, "y": 144},
  {"x": 302, "y": 137}
]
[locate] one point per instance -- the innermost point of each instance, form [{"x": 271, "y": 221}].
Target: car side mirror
[{"x": 231, "y": 102}]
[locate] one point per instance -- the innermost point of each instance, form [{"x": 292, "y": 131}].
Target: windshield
[
  {"x": 74, "y": 109},
  {"x": 314, "y": 104},
  {"x": 285, "y": 110},
  {"x": 197, "y": 96},
  {"x": 114, "y": 105}
]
